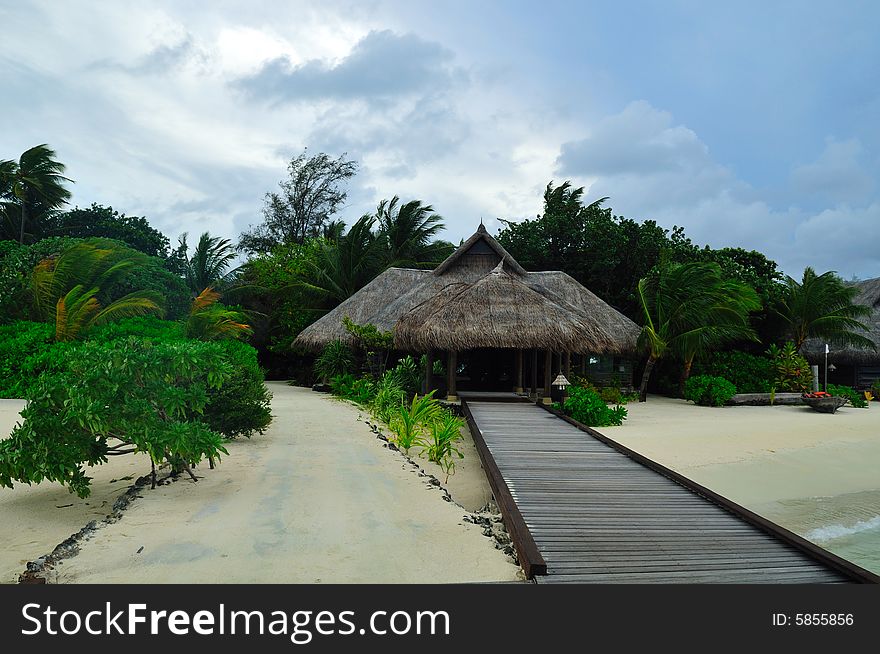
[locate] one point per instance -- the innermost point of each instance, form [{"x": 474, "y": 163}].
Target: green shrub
[
  {"x": 410, "y": 422},
  {"x": 792, "y": 372},
  {"x": 444, "y": 433},
  {"x": 16, "y": 263},
  {"x": 140, "y": 326},
  {"x": 749, "y": 373},
  {"x": 856, "y": 398},
  {"x": 241, "y": 405},
  {"x": 336, "y": 359},
  {"x": 116, "y": 398},
  {"x": 587, "y": 407},
  {"x": 360, "y": 390},
  {"x": 389, "y": 397},
  {"x": 19, "y": 342},
  {"x": 875, "y": 389},
  {"x": 407, "y": 374},
  {"x": 611, "y": 395},
  {"x": 707, "y": 390}
]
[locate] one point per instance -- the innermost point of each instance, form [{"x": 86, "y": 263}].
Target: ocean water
[{"x": 847, "y": 525}]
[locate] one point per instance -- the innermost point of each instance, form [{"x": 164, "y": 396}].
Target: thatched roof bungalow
[
  {"x": 479, "y": 303},
  {"x": 854, "y": 366}
]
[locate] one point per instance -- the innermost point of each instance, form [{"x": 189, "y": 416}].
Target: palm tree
[
  {"x": 209, "y": 264},
  {"x": 408, "y": 232},
  {"x": 821, "y": 306},
  {"x": 31, "y": 187},
  {"x": 343, "y": 267},
  {"x": 689, "y": 309},
  {"x": 209, "y": 320},
  {"x": 66, "y": 289}
]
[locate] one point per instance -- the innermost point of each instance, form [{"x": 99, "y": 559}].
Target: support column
[
  {"x": 583, "y": 364},
  {"x": 534, "y": 392},
  {"x": 548, "y": 371},
  {"x": 429, "y": 371},
  {"x": 451, "y": 365},
  {"x": 519, "y": 372},
  {"x": 567, "y": 365}
]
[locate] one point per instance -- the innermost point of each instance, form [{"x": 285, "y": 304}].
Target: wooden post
[
  {"x": 583, "y": 364},
  {"x": 534, "y": 392},
  {"x": 568, "y": 364},
  {"x": 429, "y": 371},
  {"x": 548, "y": 371},
  {"x": 451, "y": 366},
  {"x": 519, "y": 372}
]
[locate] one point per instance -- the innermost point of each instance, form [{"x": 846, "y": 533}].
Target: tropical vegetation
[{"x": 688, "y": 309}]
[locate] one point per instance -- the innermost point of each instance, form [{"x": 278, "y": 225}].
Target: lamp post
[
  {"x": 561, "y": 383},
  {"x": 826, "y": 368}
]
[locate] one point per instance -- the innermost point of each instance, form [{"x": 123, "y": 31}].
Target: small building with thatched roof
[
  {"x": 495, "y": 324},
  {"x": 853, "y": 366}
]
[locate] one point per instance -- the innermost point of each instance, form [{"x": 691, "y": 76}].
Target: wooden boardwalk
[{"x": 592, "y": 514}]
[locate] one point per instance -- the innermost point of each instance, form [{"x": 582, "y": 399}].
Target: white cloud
[
  {"x": 838, "y": 174},
  {"x": 652, "y": 168},
  {"x": 140, "y": 102}
]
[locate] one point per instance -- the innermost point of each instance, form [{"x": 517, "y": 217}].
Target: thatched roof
[
  {"x": 497, "y": 311},
  {"x": 479, "y": 297},
  {"x": 363, "y": 307},
  {"x": 869, "y": 295},
  {"x": 481, "y": 241}
]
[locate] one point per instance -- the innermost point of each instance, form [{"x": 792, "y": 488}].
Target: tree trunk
[
  {"x": 685, "y": 374},
  {"x": 646, "y": 375},
  {"x": 23, "y": 219}
]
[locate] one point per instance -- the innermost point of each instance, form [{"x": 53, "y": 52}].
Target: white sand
[
  {"x": 315, "y": 499},
  {"x": 467, "y": 484},
  {"x": 34, "y": 519},
  {"x": 758, "y": 455}
]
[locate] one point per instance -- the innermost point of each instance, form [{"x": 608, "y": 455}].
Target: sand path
[{"x": 315, "y": 499}]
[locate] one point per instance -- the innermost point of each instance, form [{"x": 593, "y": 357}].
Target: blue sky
[{"x": 751, "y": 124}]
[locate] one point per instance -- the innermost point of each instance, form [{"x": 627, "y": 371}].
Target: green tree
[
  {"x": 208, "y": 266},
  {"x": 821, "y": 306},
  {"x": 105, "y": 222},
  {"x": 112, "y": 399},
  {"x": 408, "y": 233},
  {"x": 310, "y": 196},
  {"x": 341, "y": 268},
  {"x": 30, "y": 190},
  {"x": 606, "y": 253},
  {"x": 689, "y": 309},
  {"x": 270, "y": 288},
  {"x": 66, "y": 289}
]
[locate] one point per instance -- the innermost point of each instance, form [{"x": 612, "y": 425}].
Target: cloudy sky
[{"x": 751, "y": 124}]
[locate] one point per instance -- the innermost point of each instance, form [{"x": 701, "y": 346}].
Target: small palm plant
[
  {"x": 409, "y": 422},
  {"x": 336, "y": 359},
  {"x": 209, "y": 320},
  {"x": 445, "y": 432},
  {"x": 390, "y": 396},
  {"x": 66, "y": 289}
]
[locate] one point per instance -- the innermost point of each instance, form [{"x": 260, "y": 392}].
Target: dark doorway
[{"x": 486, "y": 370}]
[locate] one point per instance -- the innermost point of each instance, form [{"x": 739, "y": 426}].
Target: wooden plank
[
  {"x": 529, "y": 555},
  {"x": 595, "y": 514},
  {"x": 813, "y": 551}
]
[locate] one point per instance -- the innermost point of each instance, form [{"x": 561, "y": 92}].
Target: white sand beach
[
  {"x": 316, "y": 499},
  {"x": 754, "y": 454},
  {"x": 815, "y": 474},
  {"x": 34, "y": 519}
]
